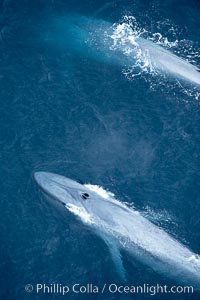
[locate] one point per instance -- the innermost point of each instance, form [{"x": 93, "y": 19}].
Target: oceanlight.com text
[{"x": 76, "y": 288}]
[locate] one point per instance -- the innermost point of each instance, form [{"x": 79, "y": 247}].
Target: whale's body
[
  {"x": 93, "y": 38},
  {"x": 166, "y": 61},
  {"x": 122, "y": 227}
]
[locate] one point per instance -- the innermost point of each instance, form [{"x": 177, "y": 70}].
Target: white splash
[
  {"x": 100, "y": 191},
  {"x": 195, "y": 258},
  {"x": 158, "y": 216},
  {"x": 80, "y": 212},
  {"x": 163, "y": 41},
  {"x": 110, "y": 197},
  {"x": 125, "y": 37},
  {"x": 125, "y": 40}
]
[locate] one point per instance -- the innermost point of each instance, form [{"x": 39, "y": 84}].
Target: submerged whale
[
  {"x": 96, "y": 39},
  {"x": 123, "y": 228}
]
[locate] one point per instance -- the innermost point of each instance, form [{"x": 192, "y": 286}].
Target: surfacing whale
[
  {"x": 96, "y": 38},
  {"x": 123, "y": 228}
]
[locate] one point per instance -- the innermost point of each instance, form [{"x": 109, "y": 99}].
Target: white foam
[
  {"x": 125, "y": 35},
  {"x": 100, "y": 191},
  {"x": 80, "y": 212},
  {"x": 161, "y": 40},
  {"x": 110, "y": 197},
  {"x": 195, "y": 258},
  {"x": 124, "y": 38}
]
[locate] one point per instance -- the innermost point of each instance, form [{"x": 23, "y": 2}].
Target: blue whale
[
  {"x": 93, "y": 38},
  {"x": 123, "y": 228}
]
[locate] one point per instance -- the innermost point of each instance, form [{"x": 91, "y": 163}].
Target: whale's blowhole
[{"x": 85, "y": 196}]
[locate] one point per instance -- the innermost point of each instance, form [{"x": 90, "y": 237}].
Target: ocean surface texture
[{"x": 78, "y": 98}]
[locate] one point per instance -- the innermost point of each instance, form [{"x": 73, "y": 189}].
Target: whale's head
[
  {"x": 62, "y": 189},
  {"x": 79, "y": 199}
]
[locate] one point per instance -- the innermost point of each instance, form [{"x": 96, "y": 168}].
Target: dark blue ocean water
[{"x": 68, "y": 112}]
